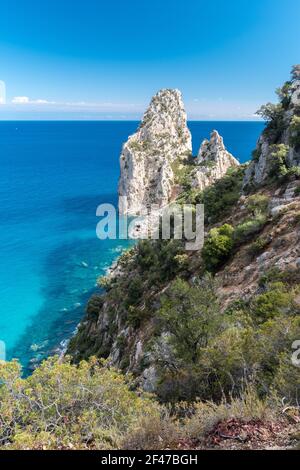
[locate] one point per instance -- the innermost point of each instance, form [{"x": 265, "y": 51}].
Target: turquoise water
[{"x": 53, "y": 176}]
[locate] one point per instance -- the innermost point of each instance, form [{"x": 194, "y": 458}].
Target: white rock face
[
  {"x": 213, "y": 161},
  {"x": 295, "y": 99},
  {"x": 259, "y": 169},
  {"x": 148, "y": 157}
]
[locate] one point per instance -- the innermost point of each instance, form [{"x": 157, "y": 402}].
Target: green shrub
[
  {"x": 134, "y": 292},
  {"x": 287, "y": 379},
  {"x": 248, "y": 228},
  {"x": 217, "y": 247},
  {"x": 63, "y": 406},
  {"x": 258, "y": 246},
  {"x": 160, "y": 260},
  {"x": 278, "y": 165},
  {"x": 274, "y": 338},
  {"x": 257, "y": 204},
  {"x": 105, "y": 282},
  {"x": 219, "y": 198},
  {"x": 277, "y": 299},
  {"x": 189, "y": 314},
  {"x": 226, "y": 364},
  {"x": 274, "y": 115},
  {"x": 295, "y": 131}
]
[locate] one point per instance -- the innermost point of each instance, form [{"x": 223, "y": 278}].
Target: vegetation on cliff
[{"x": 209, "y": 332}]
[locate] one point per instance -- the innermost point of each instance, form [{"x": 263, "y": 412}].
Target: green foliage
[
  {"x": 105, "y": 282},
  {"x": 270, "y": 112},
  {"x": 62, "y": 406},
  {"x": 219, "y": 198},
  {"x": 258, "y": 246},
  {"x": 94, "y": 306},
  {"x": 257, "y": 204},
  {"x": 225, "y": 365},
  {"x": 182, "y": 169},
  {"x": 278, "y": 166},
  {"x": 160, "y": 260},
  {"x": 287, "y": 379},
  {"x": 134, "y": 293},
  {"x": 274, "y": 113},
  {"x": 284, "y": 93},
  {"x": 295, "y": 131},
  {"x": 245, "y": 231},
  {"x": 256, "y": 154},
  {"x": 276, "y": 300},
  {"x": 296, "y": 72},
  {"x": 218, "y": 247},
  {"x": 190, "y": 314}
]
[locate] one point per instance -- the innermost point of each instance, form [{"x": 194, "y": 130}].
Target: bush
[
  {"x": 189, "y": 314},
  {"x": 257, "y": 204},
  {"x": 258, "y": 246},
  {"x": 274, "y": 338},
  {"x": 154, "y": 433},
  {"x": 160, "y": 260},
  {"x": 189, "y": 317},
  {"x": 248, "y": 406},
  {"x": 226, "y": 364},
  {"x": 219, "y": 198},
  {"x": 248, "y": 228},
  {"x": 295, "y": 131},
  {"x": 217, "y": 247},
  {"x": 287, "y": 380},
  {"x": 62, "y": 406},
  {"x": 278, "y": 165},
  {"x": 277, "y": 299}
]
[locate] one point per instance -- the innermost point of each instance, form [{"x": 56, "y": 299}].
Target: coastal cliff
[
  {"x": 278, "y": 148},
  {"x": 213, "y": 333},
  {"x": 247, "y": 237},
  {"x": 150, "y": 156}
]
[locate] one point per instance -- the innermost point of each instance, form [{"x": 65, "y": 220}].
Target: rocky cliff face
[
  {"x": 278, "y": 148},
  {"x": 150, "y": 155},
  {"x": 213, "y": 161}
]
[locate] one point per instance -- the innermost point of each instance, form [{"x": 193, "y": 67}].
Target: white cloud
[
  {"x": 20, "y": 100},
  {"x": 2, "y": 92},
  {"x": 27, "y": 100}
]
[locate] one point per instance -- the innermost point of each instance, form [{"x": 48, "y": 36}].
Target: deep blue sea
[{"x": 53, "y": 175}]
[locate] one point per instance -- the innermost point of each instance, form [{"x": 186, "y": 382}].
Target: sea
[{"x": 53, "y": 175}]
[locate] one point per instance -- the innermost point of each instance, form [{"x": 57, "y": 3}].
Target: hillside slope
[{"x": 202, "y": 324}]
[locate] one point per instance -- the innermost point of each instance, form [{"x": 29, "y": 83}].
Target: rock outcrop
[
  {"x": 213, "y": 161},
  {"x": 149, "y": 157},
  {"x": 278, "y": 148},
  {"x": 122, "y": 325}
]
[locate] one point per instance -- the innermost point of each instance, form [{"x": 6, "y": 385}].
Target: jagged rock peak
[
  {"x": 214, "y": 150},
  {"x": 147, "y": 159},
  {"x": 213, "y": 161}
]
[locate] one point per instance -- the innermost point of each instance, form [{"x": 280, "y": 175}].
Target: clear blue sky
[{"x": 106, "y": 58}]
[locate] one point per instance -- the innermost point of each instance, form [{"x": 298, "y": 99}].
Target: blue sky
[{"x": 97, "y": 59}]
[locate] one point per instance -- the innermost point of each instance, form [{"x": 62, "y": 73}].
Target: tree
[
  {"x": 296, "y": 72},
  {"x": 218, "y": 246},
  {"x": 270, "y": 112},
  {"x": 191, "y": 315}
]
